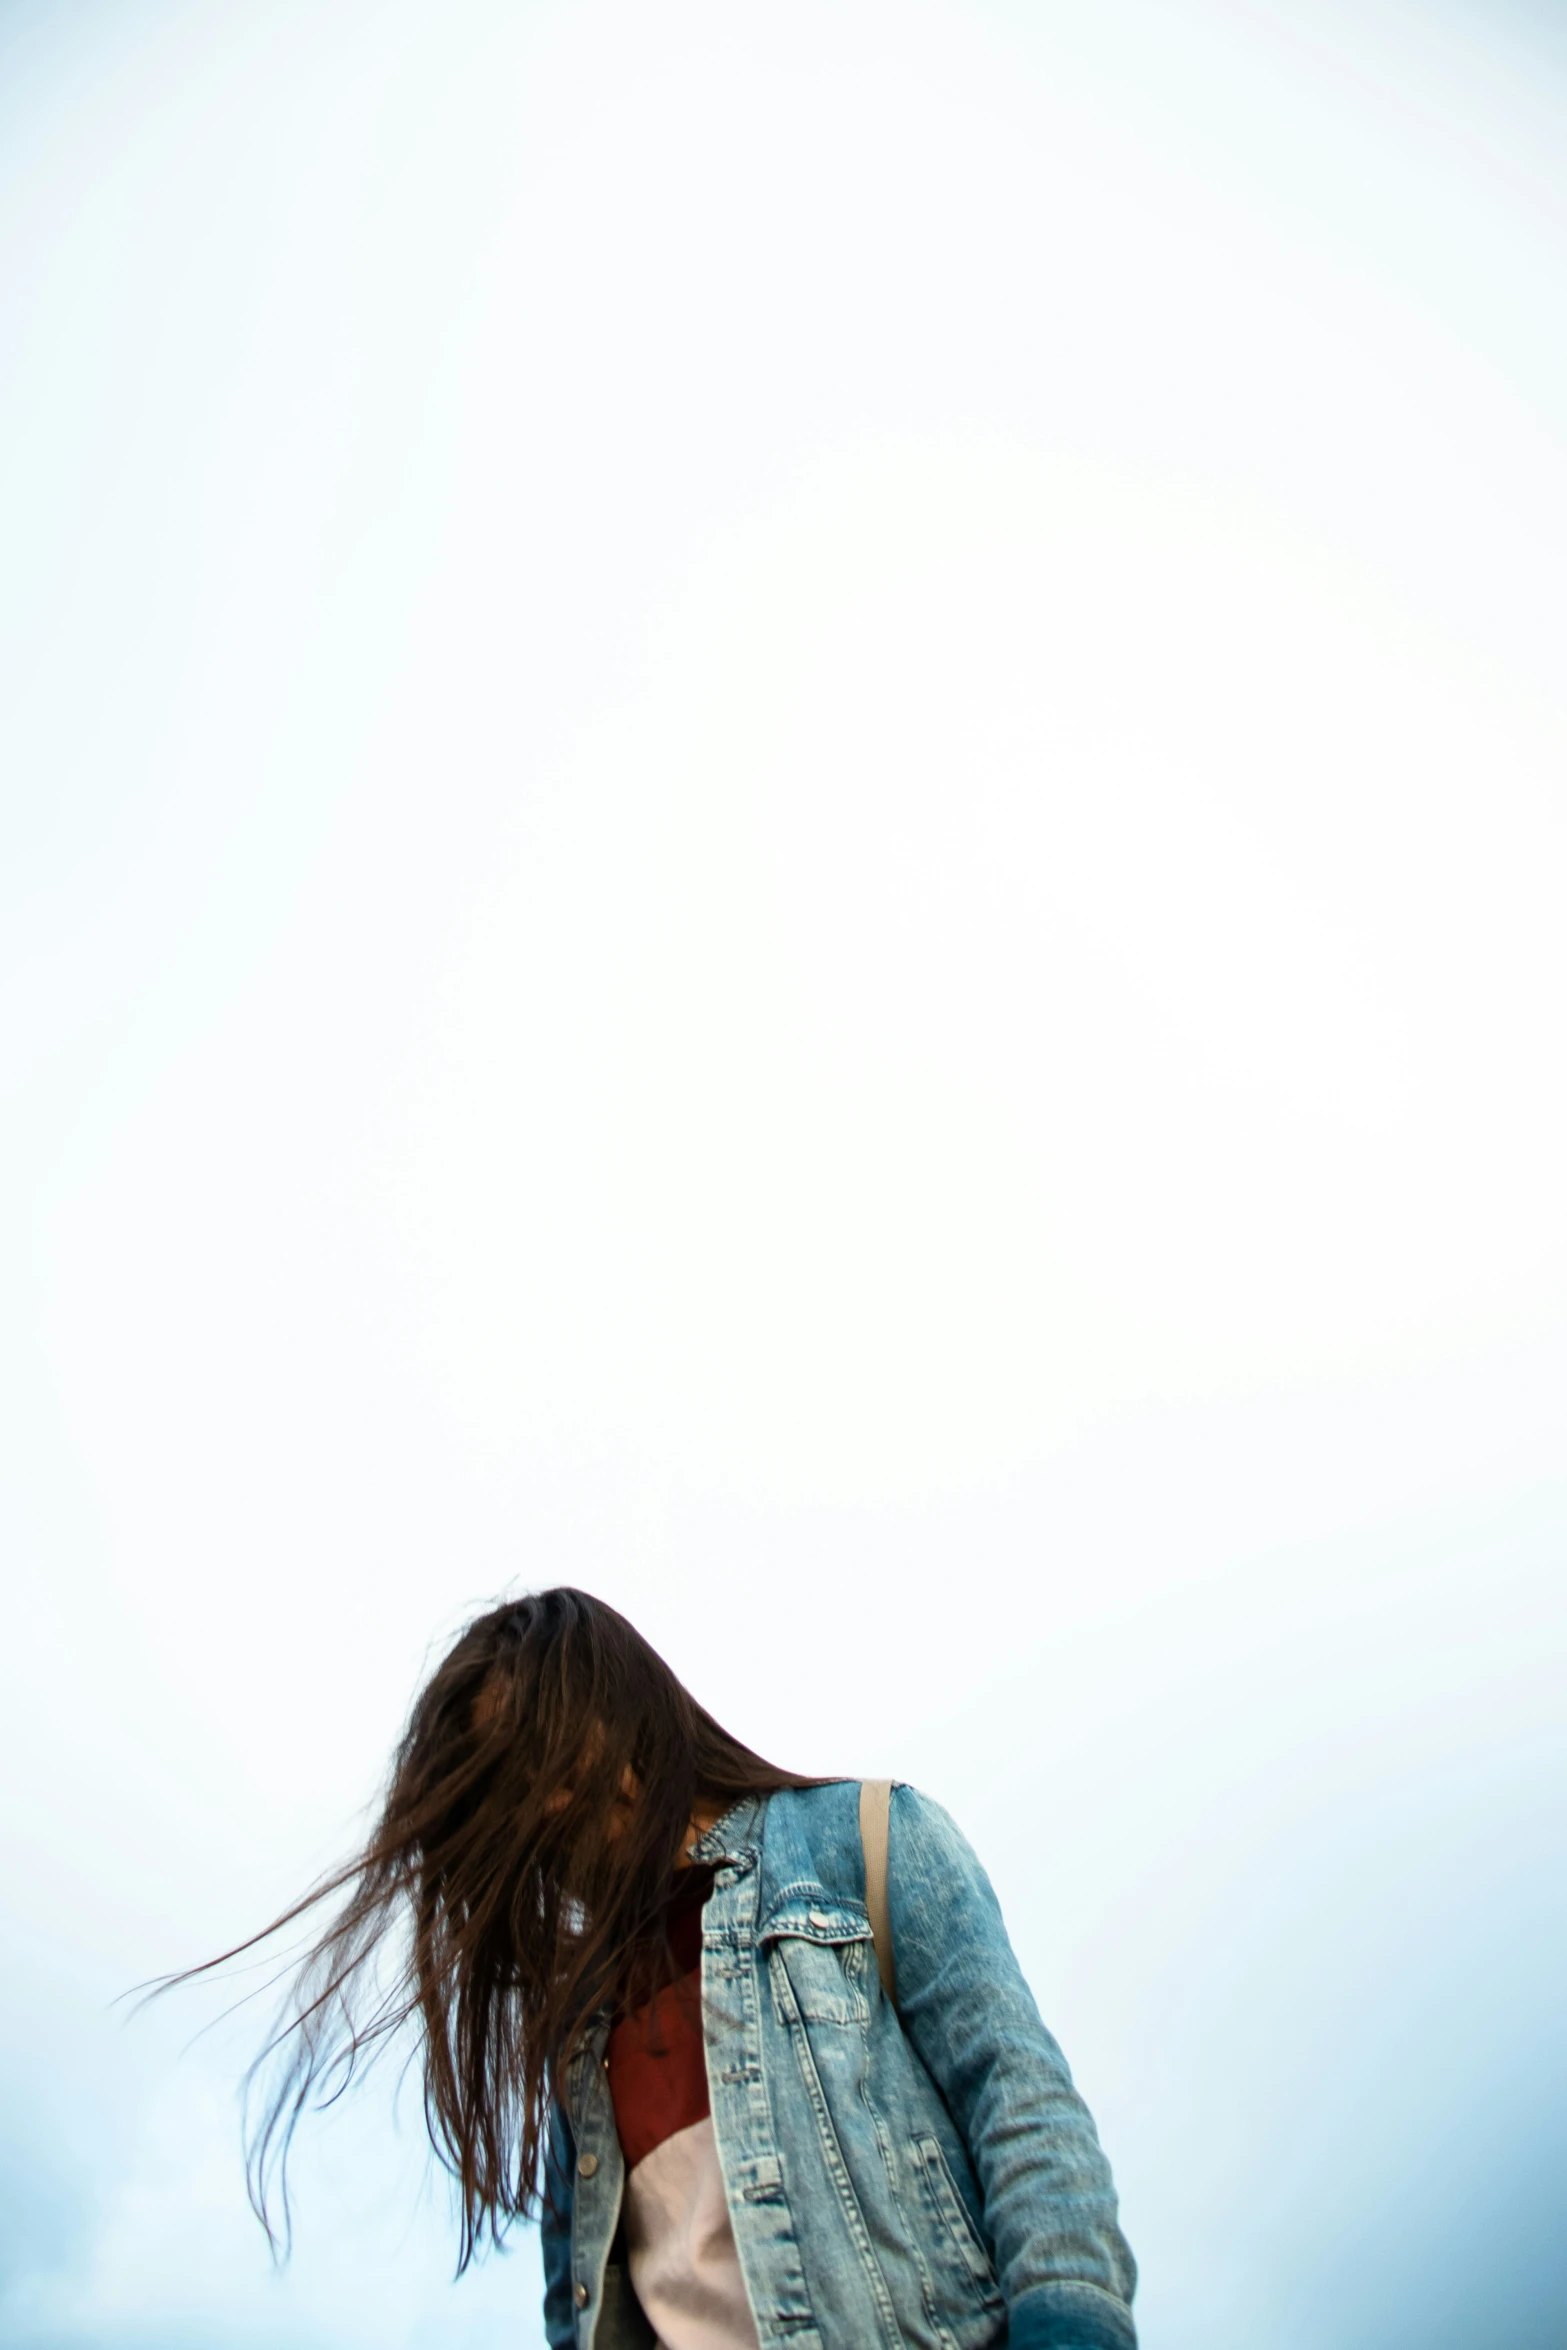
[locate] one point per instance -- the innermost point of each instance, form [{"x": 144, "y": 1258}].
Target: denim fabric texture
[{"x": 925, "y": 2178}]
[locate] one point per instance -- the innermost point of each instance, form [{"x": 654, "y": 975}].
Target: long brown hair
[{"x": 513, "y": 1884}]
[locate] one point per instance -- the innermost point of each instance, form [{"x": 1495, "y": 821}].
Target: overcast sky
[{"x": 784, "y": 827}]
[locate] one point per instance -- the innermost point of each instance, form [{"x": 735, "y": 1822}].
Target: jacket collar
[{"x": 736, "y": 1836}]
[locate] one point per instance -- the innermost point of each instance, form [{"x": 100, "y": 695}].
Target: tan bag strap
[{"x": 875, "y": 1821}]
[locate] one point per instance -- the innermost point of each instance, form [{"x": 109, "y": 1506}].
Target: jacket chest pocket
[{"x": 819, "y": 1962}]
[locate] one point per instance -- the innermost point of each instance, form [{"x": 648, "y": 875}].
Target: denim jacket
[{"x": 924, "y": 2177}]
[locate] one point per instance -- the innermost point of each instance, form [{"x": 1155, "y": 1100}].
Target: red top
[{"x": 657, "y": 2060}]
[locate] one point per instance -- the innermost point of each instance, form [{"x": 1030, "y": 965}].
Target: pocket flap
[{"x": 814, "y": 1916}]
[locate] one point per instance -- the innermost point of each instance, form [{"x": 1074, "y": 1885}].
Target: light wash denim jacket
[{"x": 918, "y": 2179}]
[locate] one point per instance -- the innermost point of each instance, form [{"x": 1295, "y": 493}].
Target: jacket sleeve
[
  {"x": 1065, "y": 2269},
  {"x": 560, "y": 2317}
]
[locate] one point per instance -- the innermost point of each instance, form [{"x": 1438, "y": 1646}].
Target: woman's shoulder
[{"x": 812, "y": 1834}]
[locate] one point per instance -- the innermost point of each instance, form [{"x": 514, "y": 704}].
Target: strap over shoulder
[{"x": 875, "y": 1824}]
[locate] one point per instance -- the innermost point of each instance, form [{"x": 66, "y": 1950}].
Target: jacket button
[
  {"x": 818, "y": 1917},
  {"x": 587, "y": 2164},
  {"x": 581, "y": 2296}
]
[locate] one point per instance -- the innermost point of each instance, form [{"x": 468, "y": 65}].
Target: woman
[{"x": 642, "y": 1970}]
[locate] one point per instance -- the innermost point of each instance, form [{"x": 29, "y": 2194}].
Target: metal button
[
  {"x": 581, "y": 2296},
  {"x": 818, "y": 1917},
  {"x": 587, "y": 2164}
]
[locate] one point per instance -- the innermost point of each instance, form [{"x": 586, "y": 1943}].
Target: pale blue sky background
[{"x": 784, "y": 827}]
